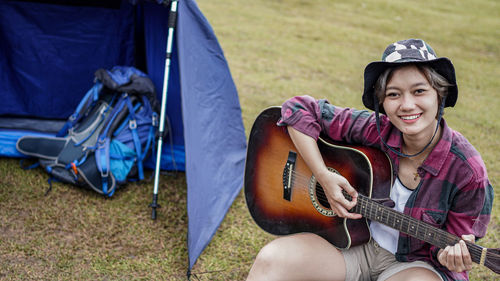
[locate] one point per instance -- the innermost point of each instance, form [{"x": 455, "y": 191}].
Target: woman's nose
[{"x": 407, "y": 102}]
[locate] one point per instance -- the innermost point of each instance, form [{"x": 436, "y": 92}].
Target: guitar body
[{"x": 283, "y": 196}]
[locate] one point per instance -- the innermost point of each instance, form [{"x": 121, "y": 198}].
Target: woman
[{"x": 440, "y": 177}]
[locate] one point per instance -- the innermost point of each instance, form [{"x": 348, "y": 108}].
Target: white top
[{"x": 385, "y": 236}]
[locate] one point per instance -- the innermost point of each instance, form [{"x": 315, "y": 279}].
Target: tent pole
[{"x": 171, "y": 26}]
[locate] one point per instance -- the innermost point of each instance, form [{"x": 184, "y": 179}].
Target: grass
[{"x": 275, "y": 49}]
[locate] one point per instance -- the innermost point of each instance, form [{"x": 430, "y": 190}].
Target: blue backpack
[{"x": 106, "y": 140}]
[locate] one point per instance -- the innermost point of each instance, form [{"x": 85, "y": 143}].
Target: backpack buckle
[
  {"x": 154, "y": 120},
  {"x": 132, "y": 124},
  {"x": 101, "y": 141}
]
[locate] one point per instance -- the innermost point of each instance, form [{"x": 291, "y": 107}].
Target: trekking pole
[{"x": 171, "y": 26}]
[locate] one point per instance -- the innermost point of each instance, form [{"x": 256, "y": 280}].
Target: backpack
[{"x": 104, "y": 143}]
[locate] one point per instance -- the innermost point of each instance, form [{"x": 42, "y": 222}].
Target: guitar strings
[{"x": 302, "y": 181}]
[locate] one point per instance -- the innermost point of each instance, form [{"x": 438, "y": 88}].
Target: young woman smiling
[{"x": 440, "y": 177}]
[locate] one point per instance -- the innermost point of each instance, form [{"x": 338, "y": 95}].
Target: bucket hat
[{"x": 414, "y": 51}]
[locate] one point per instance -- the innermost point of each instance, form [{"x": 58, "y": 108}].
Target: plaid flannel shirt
[{"x": 454, "y": 193}]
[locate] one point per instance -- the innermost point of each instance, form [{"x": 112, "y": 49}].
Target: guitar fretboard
[{"x": 377, "y": 212}]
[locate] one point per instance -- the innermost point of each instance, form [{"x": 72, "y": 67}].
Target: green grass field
[{"x": 275, "y": 49}]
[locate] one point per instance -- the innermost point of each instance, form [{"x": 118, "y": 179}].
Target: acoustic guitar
[{"x": 284, "y": 197}]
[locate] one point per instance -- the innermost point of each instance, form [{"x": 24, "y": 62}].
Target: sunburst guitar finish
[{"x": 284, "y": 197}]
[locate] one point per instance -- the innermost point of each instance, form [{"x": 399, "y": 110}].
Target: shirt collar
[{"x": 437, "y": 157}]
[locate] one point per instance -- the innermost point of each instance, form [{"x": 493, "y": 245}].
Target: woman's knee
[
  {"x": 271, "y": 262},
  {"x": 278, "y": 251},
  {"x": 298, "y": 257}
]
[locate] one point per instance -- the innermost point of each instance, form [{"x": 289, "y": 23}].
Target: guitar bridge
[{"x": 288, "y": 175}]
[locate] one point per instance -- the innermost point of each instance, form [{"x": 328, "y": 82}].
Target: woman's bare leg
[{"x": 302, "y": 256}]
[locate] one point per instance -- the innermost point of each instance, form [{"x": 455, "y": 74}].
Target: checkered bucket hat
[{"x": 404, "y": 52}]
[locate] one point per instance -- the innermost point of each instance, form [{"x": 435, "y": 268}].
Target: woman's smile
[{"x": 410, "y": 118}]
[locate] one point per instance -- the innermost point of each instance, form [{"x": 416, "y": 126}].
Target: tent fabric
[
  {"x": 46, "y": 51},
  {"x": 48, "y": 57},
  {"x": 215, "y": 114}
]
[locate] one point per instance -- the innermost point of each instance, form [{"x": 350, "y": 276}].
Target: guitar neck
[{"x": 377, "y": 212}]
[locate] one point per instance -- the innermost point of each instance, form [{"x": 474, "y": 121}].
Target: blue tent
[{"x": 50, "y": 50}]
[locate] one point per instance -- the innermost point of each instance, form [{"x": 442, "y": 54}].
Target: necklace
[
  {"x": 416, "y": 176},
  {"x": 421, "y": 155},
  {"x": 415, "y": 164},
  {"x": 415, "y": 173}
]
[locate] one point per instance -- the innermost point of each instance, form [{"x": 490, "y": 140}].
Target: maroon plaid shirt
[{"x": 454, "y": 193}]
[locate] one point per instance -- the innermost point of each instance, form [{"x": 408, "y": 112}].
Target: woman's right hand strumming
[{"x": 332, "y": 183}]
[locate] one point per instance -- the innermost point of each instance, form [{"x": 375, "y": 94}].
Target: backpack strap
[
  {"x": 103, "y": 142},
  {"x": 152, "y": 130},
  {"x": 90, "y": 97},
  {"x": 102, "y": 160},
  {"x": 151, "y": 136},
  {"x": 135, "y": 136}
]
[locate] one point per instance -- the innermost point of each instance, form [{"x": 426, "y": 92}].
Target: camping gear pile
[{"x": 106, "y": 140}]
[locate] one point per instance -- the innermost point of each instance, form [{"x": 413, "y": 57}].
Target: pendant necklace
[{"x": 416, "y": 176}]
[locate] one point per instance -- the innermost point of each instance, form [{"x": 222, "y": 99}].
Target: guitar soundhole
[
  {"x": 321, "y": 196},
  {"x": 318, "y": 197}
]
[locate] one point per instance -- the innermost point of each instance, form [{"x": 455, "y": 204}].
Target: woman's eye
[
  {"x": 419, "y": 91},
  {"x": 391, "y": 94}
]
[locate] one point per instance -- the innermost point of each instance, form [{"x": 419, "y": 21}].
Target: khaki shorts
[{"x": 371, "y": 262}]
